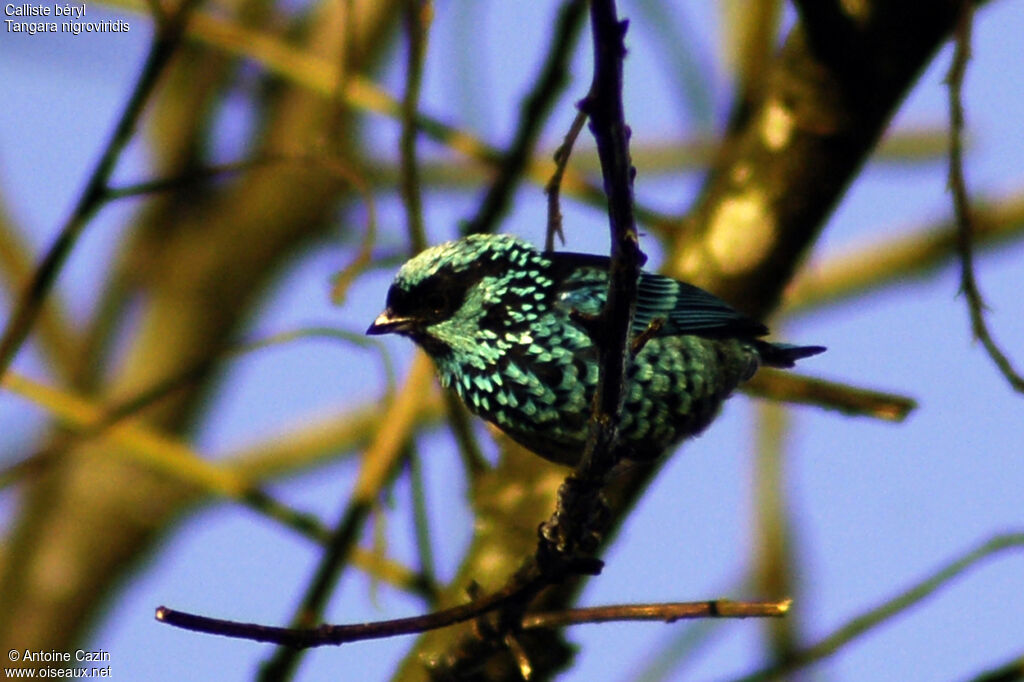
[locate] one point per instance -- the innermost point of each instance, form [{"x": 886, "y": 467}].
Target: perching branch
[
  {"x": 335, "y": 635},
  {"x": 603, "y": 106},
  {"x": 579, "y": 497},
  {"x": 302, "y": 638}
]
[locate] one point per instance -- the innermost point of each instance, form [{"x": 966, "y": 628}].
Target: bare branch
[
  {"x": 303, "y": 638},
  {"x": 554, "y": 186},
  {"x": 667, "y": 612},
  {"x": 334, "y": 635},
  {"x": 961, "y": 202}
]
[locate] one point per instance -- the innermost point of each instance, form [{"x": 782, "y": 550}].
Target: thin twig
[
  {"x": 533, "y": 112},
  {"x": 603, "y": 106},
  {"x": 554, "y": 187},
  {"x": 193, "y": 176},
  {"x": 873, "y": 618},
  {"x": 333, "y": 635},
  {"x": 640, "y": 340},
  {"x": 301, "y": 638},
  {"x": 961, "y": 202},
  {"x": 520, "y": 654},
  {"x": 667, "y": 612},
  {"x": 349, "y": 56},
  {"x": 363, "y": 258}
]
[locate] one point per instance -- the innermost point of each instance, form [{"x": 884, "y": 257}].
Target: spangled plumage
[{"x": 497, "y": 317}]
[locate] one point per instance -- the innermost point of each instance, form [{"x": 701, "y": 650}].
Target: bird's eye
[{"x": 436, "y": 302}]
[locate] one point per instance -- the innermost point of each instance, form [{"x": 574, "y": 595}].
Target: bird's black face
[
  {"x": 451, "y": 298},
  {"x": 411, "y": 308}
]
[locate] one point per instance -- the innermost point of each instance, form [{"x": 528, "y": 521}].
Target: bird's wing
[
  {"x": 682, "y": 308},
  {"x": 687, "y": 309}
]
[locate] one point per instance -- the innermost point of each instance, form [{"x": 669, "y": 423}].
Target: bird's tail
[{"x": 784, "y": 355}]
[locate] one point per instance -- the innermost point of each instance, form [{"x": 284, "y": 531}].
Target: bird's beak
[{"x": 387, "y": 324}]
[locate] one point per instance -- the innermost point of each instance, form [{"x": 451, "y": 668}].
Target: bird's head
[{"x": 441, "y": 297}]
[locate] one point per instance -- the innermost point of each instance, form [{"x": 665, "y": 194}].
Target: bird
[{"x": 506, "y": 327}]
